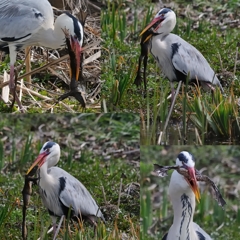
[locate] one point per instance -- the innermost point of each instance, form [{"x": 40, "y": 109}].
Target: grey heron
[
  {"x": 176, "y": 57},
  {"x": 29, "y": 22},
  {"x": 62, "y": 193},
  {"x": 182, "y": 193}
]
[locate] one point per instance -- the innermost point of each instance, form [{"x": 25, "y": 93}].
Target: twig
[
  {"x": 28, "y": 63},
  {"x": 93, "y": 57},
  {"x": 104, "y": 194},
  {"x": 220, "y": 60},
  {"x": 119, "y": 196},
  {"x": 44, "y": 97},
  {"x": 50, "y": 64},
  {"x": 198, "y": 136},
  {"x": 94, "y": 6},
  {"x": 161, "y": 171},
  {"x": 104, "y": 106}
]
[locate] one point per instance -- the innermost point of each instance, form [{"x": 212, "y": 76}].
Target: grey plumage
[
  {"x": 21, "y": 19},
  {"x": 31, "y": 22},
  {"x": 181, "y": 59},
  {"x": 60, "y": 191},
  {"x": 175, "y": 56},
  {"x": 200, "y": 233},
  {"x": 73, "y": 194}
]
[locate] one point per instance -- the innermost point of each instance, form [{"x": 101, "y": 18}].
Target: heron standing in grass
[
  {"x": 31, "y": 22},
  {"x": 176, "y": 57},
  {"x": 61, "y": 193}
]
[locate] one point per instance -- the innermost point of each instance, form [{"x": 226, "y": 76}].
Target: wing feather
[
  {"x": 189, "y": 59},
  {"x": 165, "y": 236},
  {"x": 76, "y": 196},
  {"x": 202, "y": 235},
  {"x": 20, "y": 19}
]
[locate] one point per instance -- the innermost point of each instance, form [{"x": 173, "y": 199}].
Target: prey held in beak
[
  {"x": 39, "y": 161},
  {"x": 76, "y": 49},
  {"x": 192, "y": 181},
  {"x": 152, "y": 27}
]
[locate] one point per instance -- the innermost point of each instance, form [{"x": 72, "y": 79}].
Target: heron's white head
[
  {"x": 50, "y": 154},
  {"x": 187, "y": 161},
  {"x": 163, "y": 23},
  {"x": 68, "y": 22}
]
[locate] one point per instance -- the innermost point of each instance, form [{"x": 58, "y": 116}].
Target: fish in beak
[
  {"x": 39, "y": 161},
  {"x": 75, "y": 54},
  {"x": 152, "y": 27},
  {"x": 192, "y": 181}
]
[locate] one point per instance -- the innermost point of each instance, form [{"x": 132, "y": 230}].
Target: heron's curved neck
[
  {"x": 52, "y": 38},
  {"x": 183, "y": 207},
  {"x": 45, "y": 178},
  {"x": 167, "y": 27},
  {"x": 183, "y": 201}
]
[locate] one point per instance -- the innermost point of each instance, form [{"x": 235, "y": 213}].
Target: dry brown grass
[{"x": 41, "y": 96}]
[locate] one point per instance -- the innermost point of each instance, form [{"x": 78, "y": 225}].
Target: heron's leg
[
  {"x": 59, "y": 225},
  {"x": 92, "y": 220},
  {"x": 12, "y": 76},
  {"x": 172, "y": 91},
  {"x": 15, "y": 97},
  {"x": 13, "y": 56},
  {"x": 54, "y": 220}
]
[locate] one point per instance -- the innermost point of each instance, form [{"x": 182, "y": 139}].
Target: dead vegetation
[{"x": 50, "y": 68}]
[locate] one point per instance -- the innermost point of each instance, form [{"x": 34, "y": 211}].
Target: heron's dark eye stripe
[
  {"x": 182, "y": 158},
  {"x": 164, "y": 11},
  {"x": 48, "y": 145}
]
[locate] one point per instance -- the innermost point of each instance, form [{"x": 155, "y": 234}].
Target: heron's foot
[{"x": 74, "y": 93}]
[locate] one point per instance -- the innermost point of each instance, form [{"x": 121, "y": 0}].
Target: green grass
[
  {"x": 121, "y": 49},
  {"x": 219, "y": 164},
  {"x": 94, "y": 149}
]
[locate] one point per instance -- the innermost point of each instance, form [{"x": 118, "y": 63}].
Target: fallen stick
[
  {"x": 161, "y": 171},
  {"x": 54, "y": 62}
]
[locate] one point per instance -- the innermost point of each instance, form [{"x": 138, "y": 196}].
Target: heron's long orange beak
[
  {"x": 193, "y": 182},
  {"x": 76, "y": 48},
  {"x": 39, "y": 161},
  {"x": 155, "y": 24}
]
